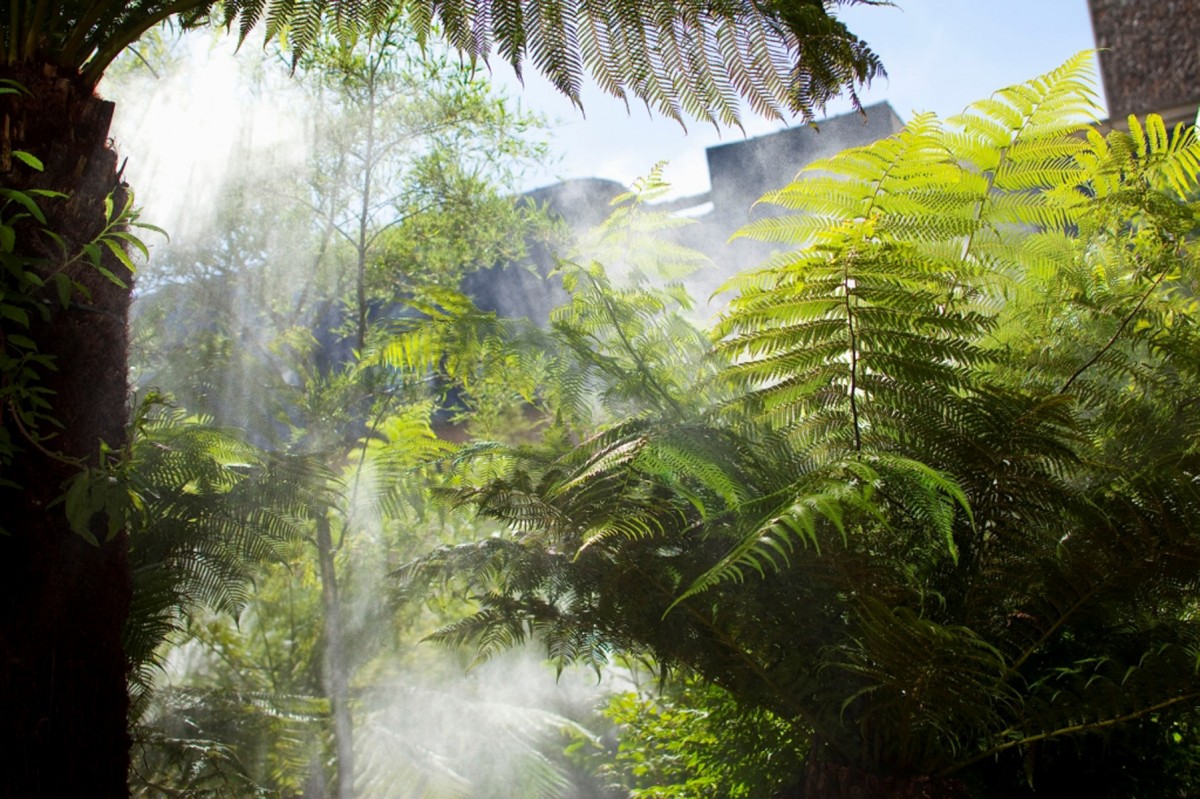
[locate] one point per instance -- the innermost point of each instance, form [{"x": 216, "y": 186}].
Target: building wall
[
  {"x": 1149, "y": 56},
  {"x": 740, "y": 172},
  {"x": 1149, "y": 61}
]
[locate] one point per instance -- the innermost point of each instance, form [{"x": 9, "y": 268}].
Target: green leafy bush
[
  {"x": 935, "y": 499},
  {"x": 692, "y": 740}
]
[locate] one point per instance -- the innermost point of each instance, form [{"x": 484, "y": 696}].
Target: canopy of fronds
[
  {"x": 694, "y": 58},
  {"x": 938, "y": 503}
]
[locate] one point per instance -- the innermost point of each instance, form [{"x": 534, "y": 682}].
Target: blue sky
[
  {"x": 182, "y": 135},
  {"x": 940, "y": 55}
]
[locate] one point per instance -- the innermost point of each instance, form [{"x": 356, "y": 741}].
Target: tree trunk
[
  {"x": 337, "y": 671},
  {"x": 63, "y": 601}
]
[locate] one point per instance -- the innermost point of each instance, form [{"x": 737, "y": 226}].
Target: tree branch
[{"x": 1113, "y": 340}]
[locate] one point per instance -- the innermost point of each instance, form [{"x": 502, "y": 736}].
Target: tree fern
[
  {"x": 691, "y": 58},
  {"x": 938, "y": 502},
  {"x": 206, "y": 511}
]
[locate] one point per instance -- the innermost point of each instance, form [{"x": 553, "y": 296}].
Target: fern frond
[
  {"x": 695, "y": 58},
  {"x": 850, "y": 321},
  {"x": 210, "y": 511},
  {"x": 934, "y": 687}
]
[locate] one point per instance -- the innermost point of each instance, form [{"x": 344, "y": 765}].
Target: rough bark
[{"x": 63, "y": 601}]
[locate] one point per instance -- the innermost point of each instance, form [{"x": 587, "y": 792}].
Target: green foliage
[
  {"x": 205, "y": 511},
  {"x": 414, "y": 151},
  {"x": 32, "y": 289},
  {"x": 255, "y": 720},
  {"x": 617, "y": 335},
  {"x": 308, "y": 684},
  {"x": 627, "y": 330},
  {"x": 935, "y": 501},
  {"x": 691, "y": 740},
  {"x": 21, "y": 364},
  {"x": 693, "y": 58}
]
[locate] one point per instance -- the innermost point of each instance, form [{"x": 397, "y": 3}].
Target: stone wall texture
[{"x": 1150, "y": 54}]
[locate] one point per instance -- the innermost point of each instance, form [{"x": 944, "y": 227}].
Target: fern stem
[
  {"x": 1070, "y": 730},
  {"x": 991, "y": 181},
  {"x": 336, "y": 669},
  {"x": 364, "y": 214},
  {"x": 1120, "y": 329},
  {"x": 1054, "y": 628},
  {"x": 327, "y": 234},
  {"x": 979, "y": 204},
  {"x": 853, "y": 356},
  {"x": 352, "y": 505},
  {"x": 647, "y": 377}
]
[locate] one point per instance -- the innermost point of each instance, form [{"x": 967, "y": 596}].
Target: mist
[
  {"x": 246, "y": 317},
  {"x": 294, "y": 235}
]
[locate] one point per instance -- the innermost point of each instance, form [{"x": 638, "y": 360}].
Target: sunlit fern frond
[
  {"x": 965, "y": 193},
  {"x": 1109, "y": 305},
  {"x": 841, "y": 332},
  {"x": 907, "y": 252},
  {"x": 692, "y": 58},
  {"x": 624, "y": 337},
  {"x": 632, "y": 340},
  {"x": 907, "y": 187},
  {"x": 445, "y": 320},
  {"x": 631, "y": 243},
  {"x": 1146, "y": 153},
  {"x": 208, "y": 510},
  {"x": 383, "y": 474},
  {"x": 1024, "y": 128}
]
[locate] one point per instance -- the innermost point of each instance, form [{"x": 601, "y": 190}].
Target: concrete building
[
  {"x": 739, "y": 173},
  {"x": 1149, "y": 63}
]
